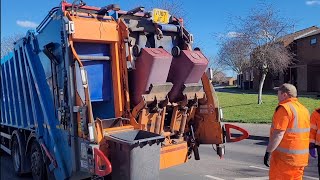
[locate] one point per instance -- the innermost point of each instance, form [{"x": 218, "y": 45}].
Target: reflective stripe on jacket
[{"x": 294, "y": 147}]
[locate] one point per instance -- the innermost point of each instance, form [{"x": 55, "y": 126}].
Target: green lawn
[{"x": 243, "y": 107}]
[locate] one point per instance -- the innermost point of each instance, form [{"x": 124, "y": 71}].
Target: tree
[
  {"x": 7, "y": 43},
  {"x": 261, "y": 33},
  {"x": 234, "y": 53},
  {"x": 272, "y": 57},
  {"x": 175, "y": 7},
  {"x": 219, "y": 77},
  {"x": 216, "y": 66}
]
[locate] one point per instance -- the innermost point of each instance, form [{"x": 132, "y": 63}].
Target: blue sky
[{"x": 206, "y": 18}]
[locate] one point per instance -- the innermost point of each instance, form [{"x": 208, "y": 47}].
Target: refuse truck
[{"x": 101, "y": 92}]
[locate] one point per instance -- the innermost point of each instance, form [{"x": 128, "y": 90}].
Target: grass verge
[{"x": 243, "y": 107}]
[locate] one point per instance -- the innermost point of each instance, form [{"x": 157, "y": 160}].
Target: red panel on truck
[
  {"x": 188, "y": 67},
  {"x": 152, "y": 67}
]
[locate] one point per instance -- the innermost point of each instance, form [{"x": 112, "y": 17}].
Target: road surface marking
[
  {"x": 256, "y": 167},
  {"x": 212, "y": 177},
  {"x": 256, "y": 178}
]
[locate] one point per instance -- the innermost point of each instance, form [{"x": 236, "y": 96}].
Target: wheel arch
[
  {"x": 25, "y": 163},
  {"x": 32, "y": 137}
]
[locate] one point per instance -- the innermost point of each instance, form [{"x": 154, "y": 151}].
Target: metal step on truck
[{"x": 102, "y": 92}]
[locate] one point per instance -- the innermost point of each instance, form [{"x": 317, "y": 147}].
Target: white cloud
[
  {"x": 232, "y": 34},
  {"x": 312, "y": 3},
  {"x": 27, "y": 24}
]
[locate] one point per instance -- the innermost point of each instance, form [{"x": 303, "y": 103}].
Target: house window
[
  {"x": 251, "y": 74},
  {"x": 313, "y": 41},
  {"x": 247, "y": 76},
  {"x": 276, "y": 76}
]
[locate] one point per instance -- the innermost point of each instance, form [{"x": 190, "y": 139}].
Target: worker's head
[{"x": 286, "y": 91}]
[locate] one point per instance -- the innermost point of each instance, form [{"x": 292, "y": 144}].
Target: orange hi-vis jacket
[
  {"x": 293, "y": 118},
  {"x": 315, "y": 127}
]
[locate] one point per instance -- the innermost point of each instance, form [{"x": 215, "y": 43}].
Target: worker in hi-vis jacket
[
  {"x": 288, "y": 149},
  {"x": 315, "y": 136}
]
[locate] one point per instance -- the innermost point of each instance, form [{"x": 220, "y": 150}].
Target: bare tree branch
[
  {"x": 175, "y": 7},
  {"x": 7, "y": 43},
  {"x": 259, "y": 43},
  {"x": 216, "y": 66},
  {"x": 219, "y": 77},
  {"x": 234, "y": 53}
]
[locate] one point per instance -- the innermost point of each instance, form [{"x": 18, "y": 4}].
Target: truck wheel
[
  {"x": 175, "y": 51},
  {"x": 38, "y": 167},
  {"x": 16, "y": 156}
]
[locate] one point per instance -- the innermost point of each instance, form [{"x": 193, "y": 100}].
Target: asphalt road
[
  {"x": 7, "y": 171},
  {"x": 243, "y": 161}
]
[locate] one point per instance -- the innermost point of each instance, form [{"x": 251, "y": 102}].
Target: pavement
[{"x": 243, "y": 161}]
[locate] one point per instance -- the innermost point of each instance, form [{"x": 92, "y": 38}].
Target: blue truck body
[{"x": 30, "y": 103}]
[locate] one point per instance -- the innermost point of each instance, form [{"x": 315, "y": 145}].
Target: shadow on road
[
  {"x": 263, "y": 139},
  {"x": 7, "y": 169}
]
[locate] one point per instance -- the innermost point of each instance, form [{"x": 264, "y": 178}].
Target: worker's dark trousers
[{"x": 318, "y": 152}]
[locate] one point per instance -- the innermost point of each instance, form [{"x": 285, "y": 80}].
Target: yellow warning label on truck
[{"x": 160, "y": 16}]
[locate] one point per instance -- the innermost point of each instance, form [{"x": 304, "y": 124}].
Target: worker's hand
[
  {"x": 313, "y": 152},
  {"x": 267, "y": 159},
  {"x": 312, "y": 145}
]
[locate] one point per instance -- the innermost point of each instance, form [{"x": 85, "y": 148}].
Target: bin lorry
[{"x": 100, "y": 92}]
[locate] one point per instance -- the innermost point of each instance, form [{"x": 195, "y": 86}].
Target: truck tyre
[
  {"x": 38, "y": 167},
  {"x": 16, "y": 156}
]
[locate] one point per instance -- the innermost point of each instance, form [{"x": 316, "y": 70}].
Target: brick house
[
  {"x": 304, "y": 73},
  {"x": 228, "y": 81}
]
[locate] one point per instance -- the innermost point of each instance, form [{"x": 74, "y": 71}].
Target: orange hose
[{"x": 74, "y": 52}]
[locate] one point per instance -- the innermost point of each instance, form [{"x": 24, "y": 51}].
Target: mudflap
[
  {"x": 208, "y": 128},
  {"x": 209, "y": 132},
  {"x": 207, "y": 121},
  {"x": 207, "y": 124}
]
